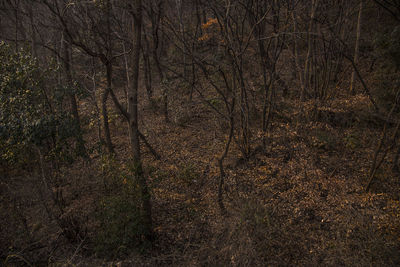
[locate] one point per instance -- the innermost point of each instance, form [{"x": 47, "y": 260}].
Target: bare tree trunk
[
  {"x": 182, "y": 32},
  {"x": 128, "y": 81},
  {"x": 221, "y": 161},
  {"x": 356, "y": 48},
  {"x": 310, "y": 41},
  {"x": 108, "y": 64},
  {"x": 106, "y": 126},
  {"x": 80, "y": 146},
  {"x": 33, "y": 32},
  {"x": 197, "y": 32},
  {"x": 133, "y": 122},
  {"x": 16, "y": 23},
  {"x": 164, "y": 89},
  {"x": 147, "y": 67},
  {"x": 296, "y": 54},
  {"x": 95, "y": 102},
  {"x": 155, "y": 25}
]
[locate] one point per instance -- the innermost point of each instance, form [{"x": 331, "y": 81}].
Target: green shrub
[
  {"x": 119, "y": 215},
  {"x": 32, "y": 112},
  {"x": 120, "y": 229}
]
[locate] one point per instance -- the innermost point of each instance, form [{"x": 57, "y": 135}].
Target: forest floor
[{"x": 302, "y": 202}]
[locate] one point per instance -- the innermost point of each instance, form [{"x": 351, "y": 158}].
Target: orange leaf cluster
[{"x": 209, "y": 23}]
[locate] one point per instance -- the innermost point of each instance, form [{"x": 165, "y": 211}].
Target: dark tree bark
[
  {"x": 133, "y": 120},
  {"x": 155, "y": 14},
  {"x": 356, "y": 48},
  {"x": 147, "y": 66},
  {"x": 80, "y": 145},
  {"x": 104, "y": 110}
]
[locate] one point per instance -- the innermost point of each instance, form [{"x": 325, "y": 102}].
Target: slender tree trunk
[
  {"x": 33, "y": 32},
  {"x": 133, "y": 92},
  {"x": 108, "y": 64},
  {"x": 133, "y": 122},
  {"x": 95, "y": 101},
  {"x": 179, "y": 7},
  {"x": 80, "y": 146},
  {"x": 147, "y": 67},
  {"x": 296, "y": 54},
  {"x": 164, "y": 87},
  {"x": 356, "y": 48},
  {"x": 221, "y": 161},
  {"x": 16, "y": 14},
  {"x": 106, "y": 126},
  {"x": 263, "y": 57},
  {"x": 164, "y": 90},
  {"x": 308, "y": 62},
  {"x": 157, "y": 46},
  {"x": 128, "y": 81},
  {"x": 198, "y": 33}
]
